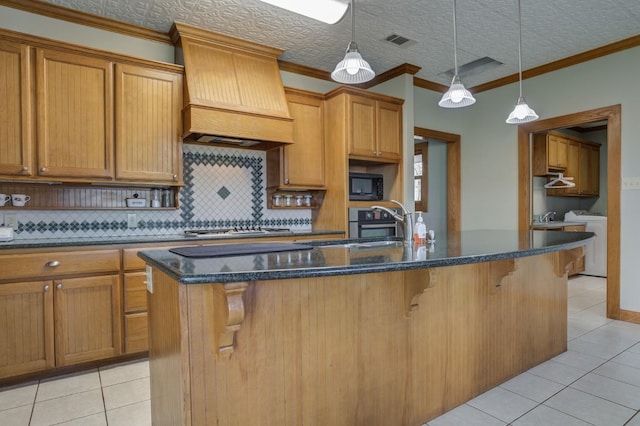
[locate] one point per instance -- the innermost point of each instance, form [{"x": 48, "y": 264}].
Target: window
[{"x": 420, "y": 175}]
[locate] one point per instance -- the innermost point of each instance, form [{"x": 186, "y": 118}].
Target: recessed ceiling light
[{"x": 328, "y": 11}]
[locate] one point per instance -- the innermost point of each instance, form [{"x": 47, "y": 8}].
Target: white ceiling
[{"x": 551, "y": 29}]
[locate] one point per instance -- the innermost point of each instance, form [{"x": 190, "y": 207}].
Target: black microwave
[{"x": 365, "y": 186}]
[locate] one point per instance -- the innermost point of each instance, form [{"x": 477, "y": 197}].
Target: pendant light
[
  {"x": 353, "y": 69},
  {"x": 522, "y": 113},
  {"x": 457, "y": 96}
]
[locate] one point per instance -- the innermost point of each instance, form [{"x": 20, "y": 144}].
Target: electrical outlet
[
  {"x": 11, "y": 220},
  {"x": 132, "y": 220}
]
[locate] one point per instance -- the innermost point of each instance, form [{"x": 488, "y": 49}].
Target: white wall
[{"x": 489, "y": 146}]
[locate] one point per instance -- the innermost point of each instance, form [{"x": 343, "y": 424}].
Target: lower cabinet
[
  {"x": 136, "y": 338},
  {"x": 71, "y": 316}
]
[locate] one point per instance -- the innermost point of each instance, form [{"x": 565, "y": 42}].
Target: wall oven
[{"x": 366, "y": 223}]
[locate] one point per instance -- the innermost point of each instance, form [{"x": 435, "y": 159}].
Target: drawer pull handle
[
  {"x": 53, "y": 264},
  {"x": 46, "y": 287},
  {"x": 43, "y": 169},
  {"x": 25, "y": 168},
  {"x": 59, "y": 286}
]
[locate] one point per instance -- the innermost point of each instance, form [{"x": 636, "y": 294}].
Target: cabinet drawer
[
  {"x": 136, "y": 337},
  {"x": 135, "y": 292},
  {"x": 15, "y": 266}
]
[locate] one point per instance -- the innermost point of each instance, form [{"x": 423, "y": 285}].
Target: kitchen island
[{"x": 353, "y": 333}]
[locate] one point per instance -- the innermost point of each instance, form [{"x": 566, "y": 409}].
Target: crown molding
[
  {"x": 83, "y": 18},
  {"x": 589, "y": 55}
]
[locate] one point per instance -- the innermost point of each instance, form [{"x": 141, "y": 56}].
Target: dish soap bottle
[{"x": 420, "y": 231}]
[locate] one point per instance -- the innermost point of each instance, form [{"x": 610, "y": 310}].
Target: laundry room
[{"x": 570, "y": 186}]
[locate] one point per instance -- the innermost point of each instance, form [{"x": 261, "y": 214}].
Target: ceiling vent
[
  {"x": 473, "y": 68},
  {"x": 400, "y": 41}
]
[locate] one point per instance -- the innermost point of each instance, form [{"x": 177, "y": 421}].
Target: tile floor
[{"x": 596, "y": 382}]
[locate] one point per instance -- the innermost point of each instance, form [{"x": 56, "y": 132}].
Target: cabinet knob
[
  {"x": 53, "y": 263},
  {"x": 43, "y": 169},
  {"x": 46, "y": 287},
  {"x": 59, "y": 286},
  {"x": 25, "y": 168},
  {"x": 175, "y": 177},
  {"x": 286, "y": 181}
]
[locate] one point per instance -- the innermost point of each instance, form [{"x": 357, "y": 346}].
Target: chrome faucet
[
  {"x": 547, "y": 217},
  {"x": 406, "y": 219}
]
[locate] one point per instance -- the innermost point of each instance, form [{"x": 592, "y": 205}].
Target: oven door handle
[{"x": 377, "y": 225}]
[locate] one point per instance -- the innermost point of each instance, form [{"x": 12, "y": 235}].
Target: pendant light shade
[
  {"x": 522, "y": 113},
  {"x": 353, "y": 69},
  {"x": 457, "y": 96}
]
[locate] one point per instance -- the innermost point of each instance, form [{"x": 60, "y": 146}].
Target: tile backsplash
[{"x": 224, "y": 187}]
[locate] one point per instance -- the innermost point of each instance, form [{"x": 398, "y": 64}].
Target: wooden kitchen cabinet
[
  {"x": 301, "y": 164},
  {"x": 87, "y": 319},
  {"x": 60, "y": 308},
  {"x": 16, "y": 132},
  {"x": 375, "y": 131},
  {"x": 136, "y": 338},
  {"x": 26, "y": 327},
  {"x": 550, "y": 153},
  {"x": 590, "y": 169},
  {"x": 148, "y": 131},
  {"x": 74, "y": 115}
]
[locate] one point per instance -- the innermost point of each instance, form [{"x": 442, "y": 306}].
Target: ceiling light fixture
[
  {"x": 328, "y": 11},
  {"x": 522, "y": 113},
  {"x": 457, "y": 96},
  {"x": 353, "y": 69}
]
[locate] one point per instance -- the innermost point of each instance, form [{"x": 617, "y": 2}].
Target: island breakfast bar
[{"x": 351, "y": 333}]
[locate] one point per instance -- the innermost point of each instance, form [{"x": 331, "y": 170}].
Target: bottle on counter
[{"x": 420, "y": 231}]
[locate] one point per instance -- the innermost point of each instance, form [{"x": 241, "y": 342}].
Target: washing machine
[{"x": 595, "y": 256}]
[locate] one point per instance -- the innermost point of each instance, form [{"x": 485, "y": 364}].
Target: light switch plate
[
  {"x": 631, "y": 183},
  {"x": 149, "y": 279},
  {"x": 132, "y": 220}
]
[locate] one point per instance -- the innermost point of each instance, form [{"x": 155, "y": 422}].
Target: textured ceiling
[{"x": 551, "y": 29}]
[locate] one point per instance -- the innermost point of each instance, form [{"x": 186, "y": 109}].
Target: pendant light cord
[
  {"x": 353, "y": 21},
  {"x": 455, "y": 41},
  {"x": 520, "y": 48}
]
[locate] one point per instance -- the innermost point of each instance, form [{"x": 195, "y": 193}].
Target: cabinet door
[
  {"x": 304, "y": 160},
  {"x": 148, "y": 108},
  {"x": 572, "y": 170},
  {"x": 558, "y": 151},
  {"x": 589, "y": 170},
  {"x": 16, "y": 126},
  {"x": 87, "y": 319},
  {"x": 26, "y": 327},
  {"x": 74, "y": 115},
  {"x": 361, "y": 122},
  {"x": 389, "y": 130}
]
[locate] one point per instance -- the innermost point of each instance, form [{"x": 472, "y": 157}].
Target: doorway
[
  {"x": 612, "y": 115},
  {"x": 453, "y": 172}
]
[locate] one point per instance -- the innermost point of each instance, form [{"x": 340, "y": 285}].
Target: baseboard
[{"x": 629, "y": 316}]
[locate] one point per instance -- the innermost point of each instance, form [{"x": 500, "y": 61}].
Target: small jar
[
  {"x": 307, "y": 200},
  {"x": 277, "y": 200},
  {"x": 155, "y": 198},
  {"x": 287, "y": 200},
  {"x": 298, "y": 200}
]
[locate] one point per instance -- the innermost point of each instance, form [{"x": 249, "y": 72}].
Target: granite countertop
[
  {"x": 328, "y": 258},
  {"x": 142, "y": 239}
]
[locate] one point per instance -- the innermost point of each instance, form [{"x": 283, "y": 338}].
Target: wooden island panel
[{"x": 349, "y": 349}]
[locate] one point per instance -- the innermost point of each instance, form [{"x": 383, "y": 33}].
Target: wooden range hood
[{"x": 233, "y": 90}]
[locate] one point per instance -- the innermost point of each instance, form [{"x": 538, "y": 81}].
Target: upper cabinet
[
  {"x": 74, "y": 115},
  {"x": 148, "y": 127},
  {"x": 77, "y": 115},
  {"x": 550, "y": 152},
  {"x": 16, "y": 131},
  {"x": 375, "y": 128},
  {"x": 576, "y": 158},
  {"x": 301, "y": 164}
]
